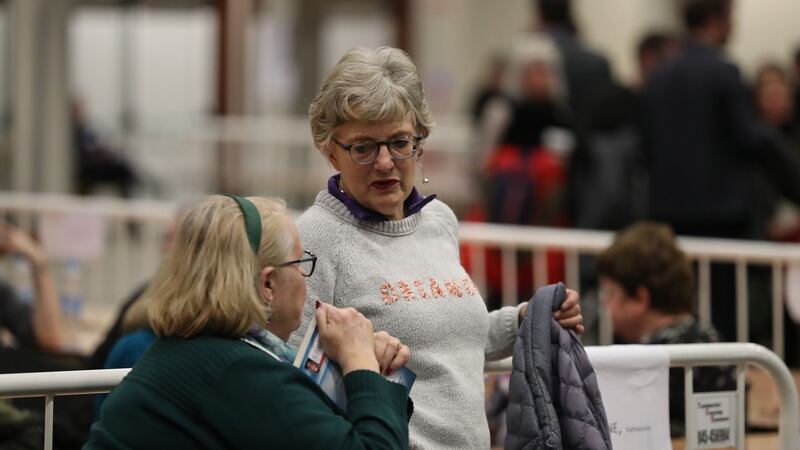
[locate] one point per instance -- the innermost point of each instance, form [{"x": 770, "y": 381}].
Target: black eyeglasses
[
  {"x": 366, "y": 152},
  {"x": 306, "y": 265}
]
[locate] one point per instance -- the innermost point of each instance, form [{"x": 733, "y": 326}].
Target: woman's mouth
[{"x": 384, "y": 185}]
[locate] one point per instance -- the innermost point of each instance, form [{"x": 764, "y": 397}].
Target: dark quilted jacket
[{"x": 554, "y": 401}]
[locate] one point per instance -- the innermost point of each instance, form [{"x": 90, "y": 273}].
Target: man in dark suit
[
  {"x": 704, "y": 147},
  {"x": 700, "y": 135}
]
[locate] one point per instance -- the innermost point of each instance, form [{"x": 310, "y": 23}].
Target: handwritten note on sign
[
  {"x": 634, "y": 383},
  {"x": 75, "y": 235}
]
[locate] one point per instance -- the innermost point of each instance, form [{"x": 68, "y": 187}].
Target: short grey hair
[{"x": 370, "y": 85}]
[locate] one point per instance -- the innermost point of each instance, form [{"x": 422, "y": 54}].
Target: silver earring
[
  {"x": 425, "y": 179},
  {"x": 269, "y": 311}
]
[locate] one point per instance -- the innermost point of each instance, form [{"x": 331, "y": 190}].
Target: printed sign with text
[{"x": 715, "y": 417}]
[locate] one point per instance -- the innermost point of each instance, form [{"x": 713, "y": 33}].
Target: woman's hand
[
  {"x": 390, "y": 352},
  {"x": 569, "y": 315},
  {"x": 14, "y": 240},
  {"x": 347, "y": 338}
]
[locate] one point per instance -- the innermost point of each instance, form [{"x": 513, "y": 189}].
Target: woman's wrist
[
  {"x": 38, "y": 263},
  {"x": 364, "y": 363}
]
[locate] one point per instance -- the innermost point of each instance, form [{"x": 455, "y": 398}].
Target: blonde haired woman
[{"x": 220, "y": 375}]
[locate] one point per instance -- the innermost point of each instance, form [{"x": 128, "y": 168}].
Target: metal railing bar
[{"x": 742, "y": 310}]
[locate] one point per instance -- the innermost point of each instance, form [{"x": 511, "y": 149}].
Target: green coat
[{"x": 217, "y": 393}]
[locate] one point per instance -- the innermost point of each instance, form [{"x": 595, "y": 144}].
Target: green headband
[{"x": 252, "y": 221}]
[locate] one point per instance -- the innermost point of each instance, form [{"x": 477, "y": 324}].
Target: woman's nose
[{"x": 384, "y": 160}]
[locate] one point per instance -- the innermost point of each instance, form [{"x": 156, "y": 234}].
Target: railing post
[
  {"x": 777, "y": 310},
  {"x": 742, "y": 312},
  {"x": 704, "y": 290},
  {"x": 572, "y": 270},
  {"x": 539, "y": 268},
  {"x": 510, "y": 297},
  {"x": 690, "y": 423},
  {"x": 742, "y": 414},
  {"x": 48, "y": 421}
]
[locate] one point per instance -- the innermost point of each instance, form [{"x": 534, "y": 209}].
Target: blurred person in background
[
  {"x": 702, "y": 143},
  {"x": 33, "y": 326},
  {"x": 611, "y": 194},
  {"x": 394, "y": 254},
  {"x": 654, "y": 49},
  {"x": 491, "y": 87},
  {"x": 587, "y": 76},
  {"x": 774, "y": 105},
  {"x": 528, "y": 139},
  {"x": 220, "y": 375},
  {"x": 796, "y": 67},
  {"x": 133, "y": 339},
  {"x": 647, "y": 285},
  {"x": 36, "y": 324},
  {"x": 95, "y": 163},
  {"x": 774, "y": 101},
  {"x": 587, "y": 73},
  {"x": 123, "y": 324},
  {"x": 527, "y": 142}
]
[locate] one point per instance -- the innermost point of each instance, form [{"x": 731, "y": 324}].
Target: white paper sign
[
  {"x": 715, "y": 416},
  {"x": 73, "y": 235},
  {"x": 634, "y": 384}
]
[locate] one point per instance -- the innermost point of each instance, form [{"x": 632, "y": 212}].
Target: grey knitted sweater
[{"x": 407, "y": 278}]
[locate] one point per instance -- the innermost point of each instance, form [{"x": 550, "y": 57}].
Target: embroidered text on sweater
[{"x": 393, "y": 292}]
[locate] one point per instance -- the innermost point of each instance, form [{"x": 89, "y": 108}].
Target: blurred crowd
[
  {"x": 692, "y": 145},
  {"x": 692, "y": 142}
]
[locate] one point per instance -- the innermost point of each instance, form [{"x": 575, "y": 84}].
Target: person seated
[
  {"x": 36, "y": 324},
  {"x": 33, "y": 325},
  {"x": 134, "y": 340},
  {"x": 220, "y": 374},
  {"x": 131, "y": 320},
  {"x": 646, "y": 282}
]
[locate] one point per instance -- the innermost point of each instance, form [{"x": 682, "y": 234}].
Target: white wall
[
  {"x": 765, "y": 30},
  {"x": 4, "y": 67},
  {"x": 452, "y": 41},
  {"x": 173, "y": 67}
]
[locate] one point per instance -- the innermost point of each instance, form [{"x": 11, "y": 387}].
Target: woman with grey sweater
[{"x": 393, "y": 254}]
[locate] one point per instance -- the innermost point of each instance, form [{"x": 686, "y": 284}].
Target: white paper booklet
[{"x": 312, "y": 361}]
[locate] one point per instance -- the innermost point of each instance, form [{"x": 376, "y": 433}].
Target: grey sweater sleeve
[
  {"x": 321, "y": 286},
  {"x": 503, "y": 328}
]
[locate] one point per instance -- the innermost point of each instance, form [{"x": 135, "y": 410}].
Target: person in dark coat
[{"x": 703, "y": 146}]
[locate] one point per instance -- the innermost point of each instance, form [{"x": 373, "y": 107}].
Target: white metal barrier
[
  {"x": 574, "y": 243},
  {"x": 690, "y": 356},
  {"x": 134, "y": 230},
  {"x": 50, "y": 384}
]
